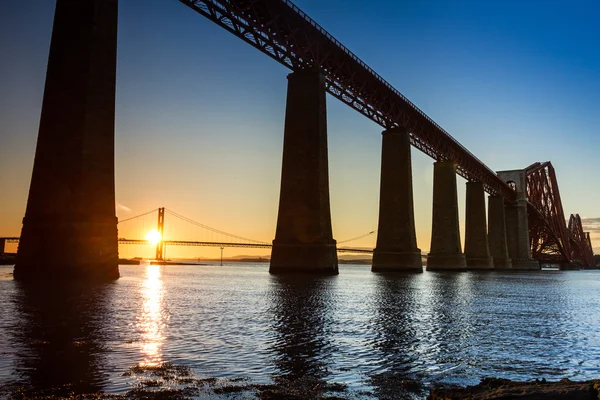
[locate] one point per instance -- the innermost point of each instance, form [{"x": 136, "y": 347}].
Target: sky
[{"x": 199, "y": 113}]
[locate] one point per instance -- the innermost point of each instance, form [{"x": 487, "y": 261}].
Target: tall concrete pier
[
  {"x": 396, "y": 248},
  {"x": 445, "y": 253},
  {"x": 497, "y": 233},
  {"x": 517, "y": 223},
  {"x": 303, "y": 240},
  {"x": 477, "y": 251},
  {"x": 70, "y": 227}
]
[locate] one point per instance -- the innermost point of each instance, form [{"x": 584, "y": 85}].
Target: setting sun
[{"x": 153, "y": 236}]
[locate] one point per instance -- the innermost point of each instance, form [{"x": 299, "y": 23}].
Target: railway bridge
[{"x": 70, "y": 228}]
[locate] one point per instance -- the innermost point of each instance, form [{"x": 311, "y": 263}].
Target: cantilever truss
[
  {"x": 580, "y": 242},
  {"x": 282, "y": 31},
  {"x": 550, "y": 238},
  {"x": 547, "y": 225}
]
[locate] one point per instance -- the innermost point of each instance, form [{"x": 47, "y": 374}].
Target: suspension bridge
[{"x": 151, "y": 228}]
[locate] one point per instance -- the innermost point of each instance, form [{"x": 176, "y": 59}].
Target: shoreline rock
[{"x": 504, "y": 389}]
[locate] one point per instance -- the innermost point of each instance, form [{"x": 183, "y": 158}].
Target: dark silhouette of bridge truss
[
  {"x": 227, "y": 240},
  {"x": 552, "y": 241}
]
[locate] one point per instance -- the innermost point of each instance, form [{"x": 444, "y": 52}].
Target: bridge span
[
  {"x": 70, "y": 227},
  {"x": 230, "y": 245}
]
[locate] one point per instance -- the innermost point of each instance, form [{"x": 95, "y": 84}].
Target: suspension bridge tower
[{"x": 160, "y": 246}]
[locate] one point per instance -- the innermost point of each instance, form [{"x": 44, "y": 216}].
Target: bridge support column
[
  {"x": 477, "y": 249},
  {"x": 160, "y": 246},
  {"x": 445, "y": 253},
  {"x": 517, "y": 223},
  {"x": 303, "y": 240},
  {"x": 396, "y": 248},
  {"x": 70, "y": 227},
  {"x": 497, "y": 233}
]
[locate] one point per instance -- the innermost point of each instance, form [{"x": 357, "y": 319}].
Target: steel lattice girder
[
  {"x": 551, "y": 239},
  {"x": 543, "y": 242},
  {"x": 547, "y": 231},
  {"x": 582, "y": 247},
  {"x": 282, "y": 31}
]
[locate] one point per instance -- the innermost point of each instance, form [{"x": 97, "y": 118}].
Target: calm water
[{"x": 371, "y": 332}]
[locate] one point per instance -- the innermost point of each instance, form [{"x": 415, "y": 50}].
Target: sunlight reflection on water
[{"x": 152, "y": 318}]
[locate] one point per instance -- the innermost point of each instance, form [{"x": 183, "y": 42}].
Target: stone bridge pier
[
  {"x": 497, "y": 233},
  {"x": 445, "y": 251},
  {"x": 396, "y": 248},
  {"x": 70, "y": 227},
  {"x": 517, "y": 223},
  {"x": 303, "y": 239},
  {"x": 477, "y": 249}
]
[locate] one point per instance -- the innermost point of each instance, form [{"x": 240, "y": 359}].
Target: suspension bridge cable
[
  {"x": 356, "y": 238},
  {"x": 191, "y": 221},
  {"x": 137, "y": 216}
]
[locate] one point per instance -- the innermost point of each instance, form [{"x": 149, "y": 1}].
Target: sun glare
[{"x": 153, "y": 236}]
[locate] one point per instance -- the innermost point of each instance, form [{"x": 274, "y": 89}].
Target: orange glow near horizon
[{"x": 154, "y": 237}]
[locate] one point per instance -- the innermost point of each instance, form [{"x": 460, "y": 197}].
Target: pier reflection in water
[
  {"x": 397, "y": 334},
  {"x": 300, "y": 308},
  {"x": 61, "y": 333},
  {"x": 445, "y": 323}
]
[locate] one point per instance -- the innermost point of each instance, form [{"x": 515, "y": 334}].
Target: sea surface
[{"x": 235, "y": 330}]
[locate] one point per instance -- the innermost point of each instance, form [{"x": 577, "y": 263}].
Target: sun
[{"x": 153, "y": 236}]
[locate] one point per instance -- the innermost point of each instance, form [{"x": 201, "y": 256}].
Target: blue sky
[{"x": 200, "y": 114}]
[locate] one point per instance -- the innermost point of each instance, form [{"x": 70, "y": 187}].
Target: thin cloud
[
  {"x": 591, "y": 228},
  {"x": 591, "y": 224},
  {"x": 588, "y": 220},
  {"x": 121, "y": 207}
]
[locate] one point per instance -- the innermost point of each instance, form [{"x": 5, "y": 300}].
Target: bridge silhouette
[
  {"x": 154, "y": 220},
  {"x": 221, "y": 239},
  {"x": 70, "y": 228}
]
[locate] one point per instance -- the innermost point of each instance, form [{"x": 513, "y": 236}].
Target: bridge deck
[
  {"x": 230, "y": 244},
  {"x": 211, "y": 244}
]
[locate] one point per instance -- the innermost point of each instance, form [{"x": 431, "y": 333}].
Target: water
[{"x": 373, "y": 333}]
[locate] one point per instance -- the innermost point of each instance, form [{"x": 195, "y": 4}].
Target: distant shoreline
[{"x": 8, "y": 258}]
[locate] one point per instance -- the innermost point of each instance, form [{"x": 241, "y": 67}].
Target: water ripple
[{"x": 374, "y": 332}]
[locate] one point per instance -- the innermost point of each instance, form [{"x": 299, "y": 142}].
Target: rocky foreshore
[
  {"x": 169, "y": 381},
  {"x": 504, "y": 389}
]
